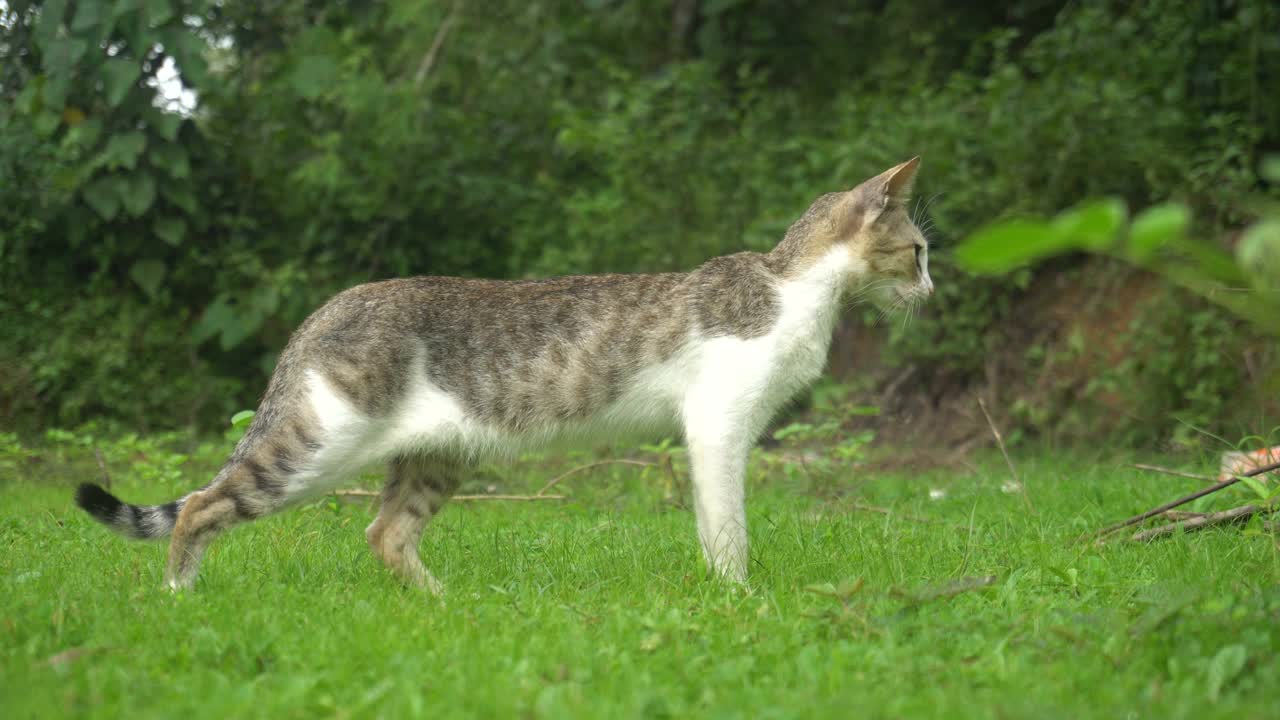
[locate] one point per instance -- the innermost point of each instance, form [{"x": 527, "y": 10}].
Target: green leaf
[
  {"x": 141, "y": 194},
  {"x": 170, "y": 230},
  {"x": 313, "y": 75},
  {"x": 1006, "y": 245},
  {"x": 242, "y": 418},
  {"x": 148, "y": 274},
  {"x": 1093, "y": 226},
  {"x": 123, "y": 150},
  {"x": 55, "y": 91},
  {"x": 188, "y": 52},
  {"x": 51, "y": 16},
  {"x": 118, "y": 77},
  {"x": 172, "y": 159},
  {"x": 88, "y": 16},
  {"x": 1224, "y": 667},
  {"x": 85, "y": 134},
  {"x": 166, "y": 124},
  {"x": 159, "y": 12},
  {"x": 216, "y": 316},
  {"x": 1258, "y": 254},
  {"x": 103, "y": 195},
  {"x": 62, "y": 55},
  {"x": 180, "y": 195},
  {"x": 1270, "y": 169},
  {"x": 1156, "y": 226},
  {"x": 235, "y": 333}
]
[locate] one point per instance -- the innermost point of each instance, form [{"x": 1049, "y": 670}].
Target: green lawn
[{"x": 598, "y": 607}]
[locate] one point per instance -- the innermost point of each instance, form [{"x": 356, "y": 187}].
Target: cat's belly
[{"x": 432, "y": 420}]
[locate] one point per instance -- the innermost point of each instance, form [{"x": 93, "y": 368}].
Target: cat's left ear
[{"x": 897, "y": 182}]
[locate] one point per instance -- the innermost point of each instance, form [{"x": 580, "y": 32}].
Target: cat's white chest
[{"x": 743, "y": 382}]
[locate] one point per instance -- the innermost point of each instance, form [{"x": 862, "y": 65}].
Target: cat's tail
[{"x": 141, "y": 522}]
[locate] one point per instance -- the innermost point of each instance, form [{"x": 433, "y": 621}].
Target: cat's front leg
[{"x": 719, "y": 469}]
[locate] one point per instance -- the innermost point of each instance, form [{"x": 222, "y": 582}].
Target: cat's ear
[{"x": 897, "y": 181}]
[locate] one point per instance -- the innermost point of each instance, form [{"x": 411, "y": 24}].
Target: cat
[{"x": 432, "y": 374}]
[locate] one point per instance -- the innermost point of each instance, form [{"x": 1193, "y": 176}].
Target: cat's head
[
  {"x": 893, "y": 252},
  {"x": 869, "y": 234}
]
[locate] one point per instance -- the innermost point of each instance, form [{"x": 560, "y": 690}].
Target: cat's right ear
[{"x": 896, "y": 182}]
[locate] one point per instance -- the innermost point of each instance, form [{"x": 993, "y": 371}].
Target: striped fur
[{"x": 430, "y": 375}]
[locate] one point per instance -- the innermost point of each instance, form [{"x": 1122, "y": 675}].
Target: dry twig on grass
[
  {"x": 1234, "y": 515},
  {"x": 1176, "y": 473},
  {"x": 555, "y": 480},
  {"x": 1099, "y": 535},
  {"x": 457, "y": 498},
  {"x": 1022, "y": 489}
]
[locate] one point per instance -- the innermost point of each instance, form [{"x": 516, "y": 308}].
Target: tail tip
[{"x": 96, "y": 501}]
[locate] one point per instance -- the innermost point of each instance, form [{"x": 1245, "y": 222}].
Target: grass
[{"x": 599, "y": 607}]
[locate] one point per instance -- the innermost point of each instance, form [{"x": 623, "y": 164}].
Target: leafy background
[{"x": 155, "y": 253}]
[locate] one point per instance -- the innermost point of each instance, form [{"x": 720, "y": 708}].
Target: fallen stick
[
  {"x": 459, "y": 498},
  {"x": 555, "y": 480},
  {"x": 1171, "y": 471},
  {"x": 1234, "y": 515},
  {"x": 1181, "y": 515},
  {"x": 1000, "y": 441},
  {"x": 1183, "y": 500}
]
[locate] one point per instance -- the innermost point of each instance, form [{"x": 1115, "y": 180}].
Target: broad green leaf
[
  {"x": 103, "y": 195},
  {"x": 89, "y": 15},
  {"x": 46, "y": 122},
  {"x": 61, "y": 56},
  {"x": 1094, "y": 225},
  {"x": 85, "y": 134},
  {"x": 28, "y": 98},
  {"x": 1271, "y": 168},
  {"x": 242, "y": 418},
  {"x": 1224, "y": 667},
  {"x": 159, "y": 12},
  {"x": 313, "y": 75},
  {"x": 148, "y": 274},
  {"x": 118, "y": 77},
  {"x": 1006, "y": 245},
  {"x": 216, "y": 316},
  {"x": 1156, "y": 226},
  {"x": 1259, "y": 254},
  {"x": 166, "y": 124},
  {"x": 246, "y": 324},
  {"x": 52, "y": 14},
  {"x": 55, "y": 91},
  {"x": 170, "y": 230},
  {"x": 123, "y": 150},
  {"x": 141, "y": 194},
  {"x": 180, "y": 195},
  {"x": 187, "y": 50},
  {"x": 172, "y": 159}
]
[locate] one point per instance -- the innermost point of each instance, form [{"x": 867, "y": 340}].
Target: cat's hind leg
[
  {"x": 245, "y": 489},
  {"x": 417, "y": 487}
]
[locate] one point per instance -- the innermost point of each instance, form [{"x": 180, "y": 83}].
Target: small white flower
[{"x": 937, "y": 493}]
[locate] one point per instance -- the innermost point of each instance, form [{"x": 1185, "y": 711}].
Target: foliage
[
  {"x": 1180, "y": 369},
  {"x": 173, "y": 248}
]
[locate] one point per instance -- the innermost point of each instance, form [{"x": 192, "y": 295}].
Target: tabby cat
[{"x": 433, "y": 374}]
